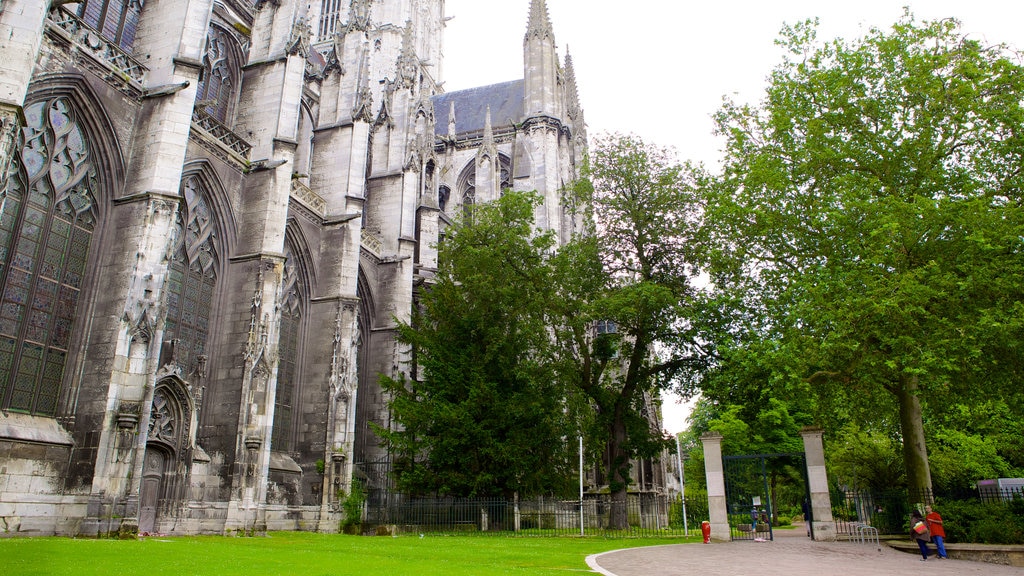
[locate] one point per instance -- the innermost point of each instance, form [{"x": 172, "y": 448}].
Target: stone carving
[
  {"x": 384, "y": 117},
  {"x": 124, "y": 67},
  {"x": 359, "y": 15},
  {"x": 408, "y": 62},
  {"x": 298, "y": 42},
  {"x": 344, "y": 378},
  {"x": 163, "y": 421}
]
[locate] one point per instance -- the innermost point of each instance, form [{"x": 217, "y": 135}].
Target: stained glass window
[
  {"x": 288, "y": 349},
  {"x": 192, "y": 277},
  {"x": 217, "y": 79},
  {"x": 115, "y": 20},
  {"x": 46, "y": 227}
]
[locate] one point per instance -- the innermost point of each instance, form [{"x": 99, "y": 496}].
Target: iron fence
[
  {"x": 647, "y": 515},
  {"x": 888, "y": 511}
]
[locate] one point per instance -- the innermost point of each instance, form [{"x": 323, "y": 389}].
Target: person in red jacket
[{"x": 936, "y": 529}]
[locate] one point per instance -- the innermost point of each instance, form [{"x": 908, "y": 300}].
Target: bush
[
  {"x": 352, "y": 504},
  {"x": 983, "y": 523}
]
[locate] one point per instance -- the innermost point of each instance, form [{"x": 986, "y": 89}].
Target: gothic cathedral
[{"x": 213, "y": 212}]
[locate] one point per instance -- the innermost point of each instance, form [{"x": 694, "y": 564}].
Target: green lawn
[{"x": 305, "y": 554}]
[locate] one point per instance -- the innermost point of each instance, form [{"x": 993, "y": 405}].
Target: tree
[
  {"x": 483, "y": 414},
  {"x": 867, "y": 229},
  {"x": 634, "y": 274}
]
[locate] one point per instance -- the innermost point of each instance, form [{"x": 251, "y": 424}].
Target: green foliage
[
  {"x": 983, "y": 523},
  {"x": 637, "y": 272},
  {"x": 860, "y": 460},
  {"x": 480, "y": 341},
  {"x": 306, "y": 554},
  {"x": 352, "y": 503},
  {"x": 864, "y": 240}
]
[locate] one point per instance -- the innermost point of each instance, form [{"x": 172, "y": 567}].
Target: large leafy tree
[
  {"x": 634, "y": 275},
  {"x": 483, "y": 414},
  {"x": 867, "y": 229}
]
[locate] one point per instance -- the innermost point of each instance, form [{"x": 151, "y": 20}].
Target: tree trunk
[
  {"x": 915, "y": 452},
  {"x": 618, "y": 475}
]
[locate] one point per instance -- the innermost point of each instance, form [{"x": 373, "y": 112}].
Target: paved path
[{"x": 791, "y": 554}]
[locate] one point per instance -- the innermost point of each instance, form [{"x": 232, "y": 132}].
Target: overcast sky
[{"x": 659, "y": 68}]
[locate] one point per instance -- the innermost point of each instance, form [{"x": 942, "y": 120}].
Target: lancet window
[
  {"x": 46, "y": 228},
  {"x": 217, "y": 79},
  {"x": 192, "y": 277},
  {"x": 116, "y": 20},
  {"x": 330, "y": 17},
  {"x": 287, "y": 374}
]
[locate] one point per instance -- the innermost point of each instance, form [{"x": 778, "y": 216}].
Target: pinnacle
[{"x": 540, "y": 21}]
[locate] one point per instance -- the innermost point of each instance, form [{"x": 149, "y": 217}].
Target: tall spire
[
  {"x": 540, "y": 22},
  {"x": 488, "y": 129},
  {"x": 451, "y": 122},
  {"x": 408, "y": 62},
  {"x": 572, "y": 94}
]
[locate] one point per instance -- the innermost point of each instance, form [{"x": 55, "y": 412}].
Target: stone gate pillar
[
  {"x": 821, "y": 503},
  {"x": 715, "y": 471}
]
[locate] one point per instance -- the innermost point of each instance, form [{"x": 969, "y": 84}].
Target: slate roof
[{"x": 505, "y": 100}]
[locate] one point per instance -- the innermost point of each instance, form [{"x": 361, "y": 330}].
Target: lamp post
[{"x": 682, "y": 486}]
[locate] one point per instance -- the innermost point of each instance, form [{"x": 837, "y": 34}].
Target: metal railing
[{"x": 647, "y": 515}]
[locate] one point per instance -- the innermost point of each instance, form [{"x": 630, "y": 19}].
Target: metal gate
[{"x": 752, "y": 488}]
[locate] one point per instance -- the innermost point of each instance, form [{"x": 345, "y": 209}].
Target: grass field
[{"x": 305, "y": 554}]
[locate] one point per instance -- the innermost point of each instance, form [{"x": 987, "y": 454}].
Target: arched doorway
[
  {"x": 165, "y": 468},
  {"x": 154, "y": 470}
]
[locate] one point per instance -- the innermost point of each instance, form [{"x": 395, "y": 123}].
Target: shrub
[{"x": 983, "y": 523}]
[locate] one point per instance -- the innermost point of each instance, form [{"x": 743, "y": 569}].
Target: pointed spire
[
  {"x": 540, "y": 22},
  {"x": 363, "y": 108},
  {"x": 408, "y": 62},
  {"x": 451, "y": 122},
  {"x": 488, "y": 130},
  {"x": 571, "y": 90}
]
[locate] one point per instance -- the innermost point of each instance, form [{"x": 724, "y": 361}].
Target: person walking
[
  {"x": 919, "y": 532},
  {"x": 937, "y": 531}
]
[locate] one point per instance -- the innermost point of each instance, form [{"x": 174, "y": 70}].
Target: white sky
[{"x": 660, "y": 68}]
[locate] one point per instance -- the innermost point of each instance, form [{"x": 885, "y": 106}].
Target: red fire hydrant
[{"x": 705, "y": 529}]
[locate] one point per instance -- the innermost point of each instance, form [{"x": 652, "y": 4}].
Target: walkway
[{"x": 791, "y": 554}]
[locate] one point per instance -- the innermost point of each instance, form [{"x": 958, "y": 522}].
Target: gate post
[
  {"x": 715, "y": 472},
  {"x": 821, "y": 503}
]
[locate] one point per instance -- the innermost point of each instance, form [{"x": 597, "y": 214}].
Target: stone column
[
  {"x": 21, "y": 31},
  {"x": 821, "y": 504},
  {"x": 715, "y": 471}
]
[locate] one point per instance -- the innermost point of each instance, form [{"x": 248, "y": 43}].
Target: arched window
[
  {"x": 116, "y": 20},
  {"x": 192, "y": 276},
  {"x": 48, "y": 219},
  {"x": 288, "y": 351},
  {"x": 218, "y": 77},
  {"x": 330, "y": 17},
  {"x": 443, "y": 194},
  {"x": 467, "y": 189}
]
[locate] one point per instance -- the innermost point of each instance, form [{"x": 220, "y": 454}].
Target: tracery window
[
  {"x": 330, "y": 16},
  {"x": 217, "y": 78},
  {"x": 291, "y": 322},
  {"x": 116, "y": 20},
  {"x": 192, "y": 276},
  {"x": 46, "y": 227}
]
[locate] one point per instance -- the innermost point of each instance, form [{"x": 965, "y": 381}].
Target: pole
[
  {"x": 581, "y": 486},
  {"x": 682, "y": 486}
]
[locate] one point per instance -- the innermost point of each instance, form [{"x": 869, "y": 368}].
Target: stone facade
[{"x": 213, "y": 212}]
